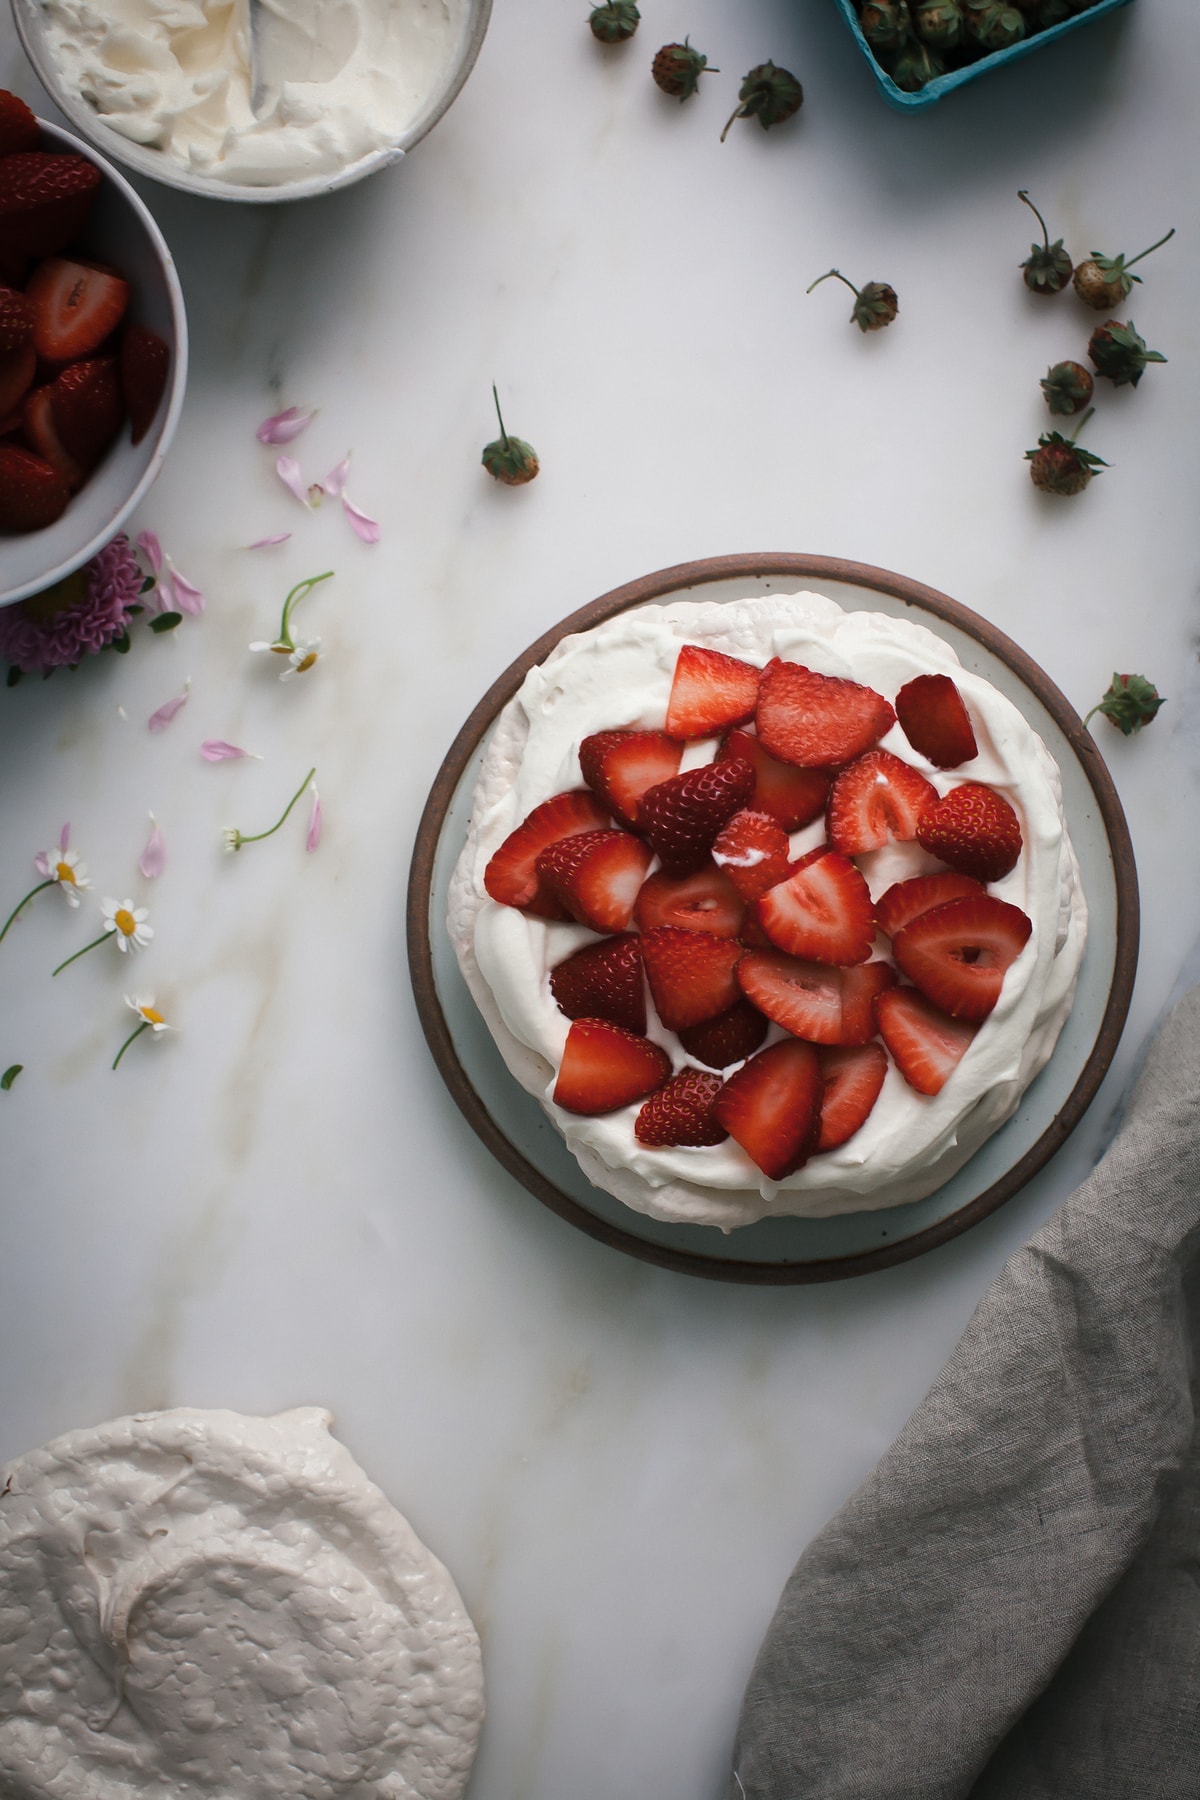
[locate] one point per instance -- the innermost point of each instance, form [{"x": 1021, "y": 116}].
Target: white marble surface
[{"x": 280, "y": 1205}]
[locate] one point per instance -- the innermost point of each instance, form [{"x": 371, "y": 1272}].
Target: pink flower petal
[
  {"x": 314, "y": 823},
  {"x": 64, "y": 838},
  {"x": 215, "y": 750},
  {"x": 153, "y": 859},
  {"x": 335, "y": 481},
  {"x": 280, "y": 537},
  {"x": 151, "y": 549},
  {"x": 288, "y": 471},
  {"x": 366, "y": 528},
  {"x": 41, "y": 863},
  {"x": 188, "y": 599},
  {"x": 282, "y": 427},
  {"x": 158, "y": 721}
]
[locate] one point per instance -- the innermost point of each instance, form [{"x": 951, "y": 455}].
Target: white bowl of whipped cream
[{"x": 253, "y": 100}]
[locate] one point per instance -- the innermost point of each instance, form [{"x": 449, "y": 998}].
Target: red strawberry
[
  {"x": 957, "y": 954},
  {"x": 934, "y": 718},
  {"x": 793, "y": 797},
  {"x": 17, "y": 370},
  {"x": 86, "y": 406},
  {"x": 32, "y": 494},
  {"x": 682, "y": 1112},
  {"x": 75, "y": 306},
  {"x": 754, "y": 852},
  {"x": 730, "y": 1037},
  {"x": 818, "y": 720},
  {"x": 680, "y": 818},
  {"x": 926, "y": 1045},
  {"x": 16, "y": 322},
  {"x": 876, "y": 799},
  {"x": 853, "y": 1080},
  {"x": 822, "y": 911},
  {"x": 603, "y": 981},
  {"x": 691, "y": 975},
  {"x": 772, "y": 1107},
  {"x": 605, "y": 1067},
  {"x": 19, "y": 129},
  {"x": 811, "y": 1000},
  {"x": 44, "y": 200},
  {"x": 620, "y": 766},
  {"x": 705, "y": 901},
  {"x": 37, "y": 418},
  {"x": 143, "y": 365},
  {"x": 709, "y": 692},
  {"x": 974, "y": 829},
  {"x": 511, "y": 876},
  {"x": 906, "y": 900},
  {"x": 596, "y": 875}
]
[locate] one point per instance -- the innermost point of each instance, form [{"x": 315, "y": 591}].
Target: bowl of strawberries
[{"x": 93, "y": 351}]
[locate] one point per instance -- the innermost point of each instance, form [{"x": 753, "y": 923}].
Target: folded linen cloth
[{"x": 1009, "y": 1606}]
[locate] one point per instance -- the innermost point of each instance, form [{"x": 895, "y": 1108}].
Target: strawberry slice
[
  {"x": 709, "y": 692},
  {"x": 605, "y": 1067},
  {"x": 620, "y": 766},
  {"x": 596, "y": 875},
  {"x": 44, "y": 200},
  {"x": 19, "y": 129},
  {"x": 603, "y": 981},
  {"x": 16, "y": 322},
  {"x": 822, "y": 911},
  {"x": 681, "y": 817},
  {"x": 974, "y": 829},
  {"x": 143, "y": 364},
  {"x": 934, "y": 718},
  {"x": 754, "y": 852},
  {"x": 926, "y": 1045},
  {"x": 731, "y": 1037},
  {"x": 853, "y": 1080},
  {"x": 906, "y": 900},
  {"x": 691, "y": 975},
  {"x": 705, "y": 901},
  {"x": 875, "y": 800},
  {"x": 817, "y": 720},
  {"x": 75, "y": 306},
  {"x": 37, "y": 419},
  {"x": 771, "y": 1106},
  {"x": 957, "y": 954},
  {"x": 682, "y": 1112},
  {"x": 86, "y": 406},
  {"x": 32, "y": 493},
  {"x": 813, "y": 1001},
  {"x": 793, "y": 797},
  {"x": 511, "y": 876}
]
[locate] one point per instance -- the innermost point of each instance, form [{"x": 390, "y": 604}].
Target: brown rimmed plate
[{"x": 784, "y": 1250}]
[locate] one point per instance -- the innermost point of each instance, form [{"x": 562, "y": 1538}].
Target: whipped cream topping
[
  {"x": 205, "y": 1606},
  {"x": 619, "y": 675}
]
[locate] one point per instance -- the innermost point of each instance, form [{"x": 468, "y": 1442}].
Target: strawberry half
[
  {"x": 596, "y": 875},
  {"x": 818, "y": 720},
  {"x": 974, "y": 829},
  {"x": 682, "y": 1112},
  {"x": 875, "y": 800},
  {"x": 754, "y": 852},
  {"x": 906, "y": 900},
  {"x": 620, "y": 766},
  {"x": 32, "y": 493},
  {"x": 822, "y": 911},
  {"x": 511, "y": 876},
  {"x": 44, "y": 200},
  {"x": 76, "y": 305},
  {"x": 853, "y": 1082},
  {"x": 771, "y": 1106},
  {"x": 691, "y": 975},
  {"x": 19, "y": 129},
  {"x": 605, "y": 1067},
  {"x": 86, "y": 405},
  {"x": 16, "y": 322},
  {"x": 603, "y": 981},
  {"x": 934, "y": 718},
  {"x": 709, "y": 692},
  {"x": 957, "y": 954},
  {"x": 681, "y": 817},
  {"x": 813, "y": 1001},
  {"x": 731, "y": 1037},
  {"x": 17, "y": 370},
  {"x": 927, "y": 1046},
  {"x": 37, "y": 419},
  {"x": 705, "y": 901},
  {"x": 143, "y": 364},
  {"x": 793, "y": 797}
]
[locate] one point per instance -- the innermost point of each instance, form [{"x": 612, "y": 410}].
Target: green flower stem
[
  {"x": 840, "y": 276},
  {"x": 1158, "y": 246},
  {"x": 25, "y": 902},
  {"x": 293, "y": 600},
  {"x": 135, "y": 1033},
  {"x": 102, "y": 939},
  {"x": 258, "y": 836}
]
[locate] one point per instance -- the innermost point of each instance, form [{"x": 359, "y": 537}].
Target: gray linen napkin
[{"x": 1009, "y": 1607}]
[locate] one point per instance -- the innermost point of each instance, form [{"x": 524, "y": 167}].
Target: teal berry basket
[{"x": 955, "y": 78}]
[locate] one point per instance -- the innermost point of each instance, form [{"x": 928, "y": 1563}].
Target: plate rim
[{"x": 658, "y": 585}]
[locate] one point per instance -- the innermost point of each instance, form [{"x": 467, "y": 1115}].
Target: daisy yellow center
[
  {"x": 64, "y": 872},
  {"x": 151, "y": 1015},
  {"x": 306, "y": 662},
  {"x": 125, "y": 921}
]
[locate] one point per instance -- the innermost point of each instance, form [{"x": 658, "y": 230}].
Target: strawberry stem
[
  {"x": 500, "y": 416},
  {"x": 25, "y": 902},
  {"x": 840, "y": 276},
  {"x": 1023, "y": 195},
  {"x": 1158, "y": 246},
  {"x": 135, "y": 1033}
]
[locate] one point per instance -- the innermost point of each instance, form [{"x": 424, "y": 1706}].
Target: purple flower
[{"x": 79, "y": 615}]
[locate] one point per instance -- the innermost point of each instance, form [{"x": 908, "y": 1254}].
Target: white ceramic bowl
[
  {"x": 160, "y": 167},
  {"x": 121, "y": 231}
]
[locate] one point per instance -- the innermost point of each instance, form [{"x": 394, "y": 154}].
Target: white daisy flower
[
  {"x": 127, "y": 923},
  {"x": 302, "y": 658},
  {"x": 65, "y": 868}
]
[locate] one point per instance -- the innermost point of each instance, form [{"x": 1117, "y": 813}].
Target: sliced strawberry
[
  {"x": 32, "y": 494},
  {"x": 974, "y": 829},
  {"x": 731, "y": 1037},
  {"x": 19, "y": 129},
  {"x": 709, "y": 692},
  {"x": 44, "y": 200},
  {"x": 934, "y": 718},
  {"x": 793, "y": 797},
  {"x": 813, "y": 1001},
  {"x": 853, "y": 1080},
  {"x": 682, "y": 1112},
  {"x": 926, "y": 1045},
  {"x": 906, "y": 900},
  {"x": 822, "y": 911},
  {"x": 705, "y": 901},
  {"x": 819, "y": 721},
  {"x": 88, "y": 412},
  {"x": 874, "y": 800},
  {"x": 691, "y": 975},
  {"x": 772, "y": 1107},
  {"x": 754, "y": 852},
  {"x": 143, "y": 365},
  {"x": 75, "y": 306},
  {"x": 603, "y": 981},
  {"x": 605, "y": 1067},
  {"x": 17, "y": 370},
  {"x": 16, "y": 322},
  {"x": 37, "y": 417},
  {"x": 619, "y": 767},
  {"x": 511, "y": 876},
  {"x": 681, "y": 817},
  {"x": 596, "y": 875},
  {"x": 957, "y": 954}
]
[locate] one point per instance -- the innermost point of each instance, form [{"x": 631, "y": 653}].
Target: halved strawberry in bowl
[
  {"x": 38, "y": 423},
  {"x": 86, "y": 405},
  {"x": 710, "y": 692},
  {"x": 934, "y": 718},
  {"x": 906, "y": 900},
  {"x": 974, "y": 830},
  {"x": 771, "y": 1106},
  {"x": 813, "y": 1001},
  {"x": 729, "y": 1038},
  {"x": 818, "y": 721},
  {"x": 926, "y": 1046},
  {"x": 621, "y": 766},
  {"x": 691, "y": 975},
  {"x": 876, "y": 800},
  {"x": 32, "y": 493},
  {"x": 511, "y": 876},
  {"x": 603, "y": 981},
  {"x": 704, "y": 901},
  {"x": 754, "y": 852},
  {"x": 958, "y": 954},
  {"x": 853, "y": 1081},
  {"x": 793, "y": 797},
  {"x": 680, "y": 818},
  {"x": 45, "y": 198},
  {"x": 596, "y": 876},
  {"x": 822, "y": 911},
  {"x": 143, "y": 364},
  {"x": 682, "y": 1113},
  {"x": 76, "y": 305},
  {"x": 605, "y": 1067}
]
